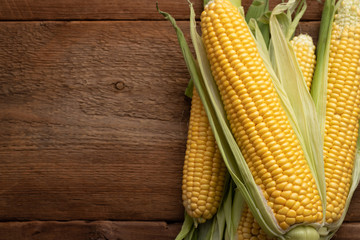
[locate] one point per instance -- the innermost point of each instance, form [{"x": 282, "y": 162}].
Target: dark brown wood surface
[{"x": 93, "y": 120}]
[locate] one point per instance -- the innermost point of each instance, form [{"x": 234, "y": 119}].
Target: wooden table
[{"x": 93, "y": 119}]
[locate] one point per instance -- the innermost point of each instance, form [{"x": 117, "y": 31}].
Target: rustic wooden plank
[
  {"x": 93, "y": 121},
  {"x": 113, "y": 9},
  {"x": 311, "y": 28},
  {"x": 353, "y": 213},
  {"x": 348, "y": 231},
  {"x": 115, "y": 230},
  {"x": 80, "y": 230}
]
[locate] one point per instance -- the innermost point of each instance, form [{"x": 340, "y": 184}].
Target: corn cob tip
[
  {"x": 348, "y": 14},
  {"x": 304, "y": 49},
  {"x": 303, "y": 232},
  {"x": 304, "y": 39}
]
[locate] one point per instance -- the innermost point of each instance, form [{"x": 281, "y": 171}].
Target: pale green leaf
[
  {"x": 236, "y": 3},
  {"x": 189, "y": 89},
  {"x": 319, "y": 82},
  {"x": 186, "y": 228},
  {"x": 301, "y": 111},
  {"x": 256, "y": 11}
]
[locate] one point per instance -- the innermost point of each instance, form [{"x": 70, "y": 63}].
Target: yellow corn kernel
[
  {"x": 204, "y": 170},
  {"x": 257, "y": 119},
  {"x": 342, "y": 109}
]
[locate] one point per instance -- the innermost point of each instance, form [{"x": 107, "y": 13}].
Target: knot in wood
[{"x": 120, "y": 85}]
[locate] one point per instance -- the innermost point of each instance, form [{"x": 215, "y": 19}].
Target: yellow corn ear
[
  {"x": 304, "y": 48},
  {"x": 257, "y": 119},
  {"x": 204, "y": 170},
  {"x": 249, "y": 229},
  {"x": 342, "y": 107}
]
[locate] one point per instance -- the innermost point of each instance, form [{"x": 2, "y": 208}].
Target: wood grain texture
[
  {"x": 348, "y": 231},
  {"x": 93, "y": 122},
  {"x": 93, "y": 127},
  {"x": 114, "y": 9},
  {"x": 311, "y": 28},
  {"x": 115, "y": 230}
]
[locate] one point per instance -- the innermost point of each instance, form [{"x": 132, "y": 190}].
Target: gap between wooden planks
[
  {"x": 114, "y": 230},
  {"x": 115, "y": 9}
]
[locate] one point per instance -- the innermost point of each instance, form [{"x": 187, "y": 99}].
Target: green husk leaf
[
  {"x": 319, "y": 82},
  {"x": 215, "y": 227},
  {"x": 236, "y": 3},
  {"x": 256, "y": 11},
  {"x": 226, "y": 210},
  {"x": 295, "y": 22},
  {"x": 301, "y": 111},
  {"x": 222, "y": 215},
  {"x": 189, "y": 89},
  {"x": 186, "y": 228},
  {"x": 238, "y": 207},
  {"x": 233, "y": 211},
  {"x": 206, "y": 230},
  {"x": 193, "y": 234},
  {"x": 288, "y": 14}
]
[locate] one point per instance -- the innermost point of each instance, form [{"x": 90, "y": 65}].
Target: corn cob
[
  {"x": 305, "y": 53},
  {"x": 342, "y": 107},
  {"x": 258, "y": 122},
  {"x": 249, "y": 229},
  {"x": 204, "y": 170}
]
